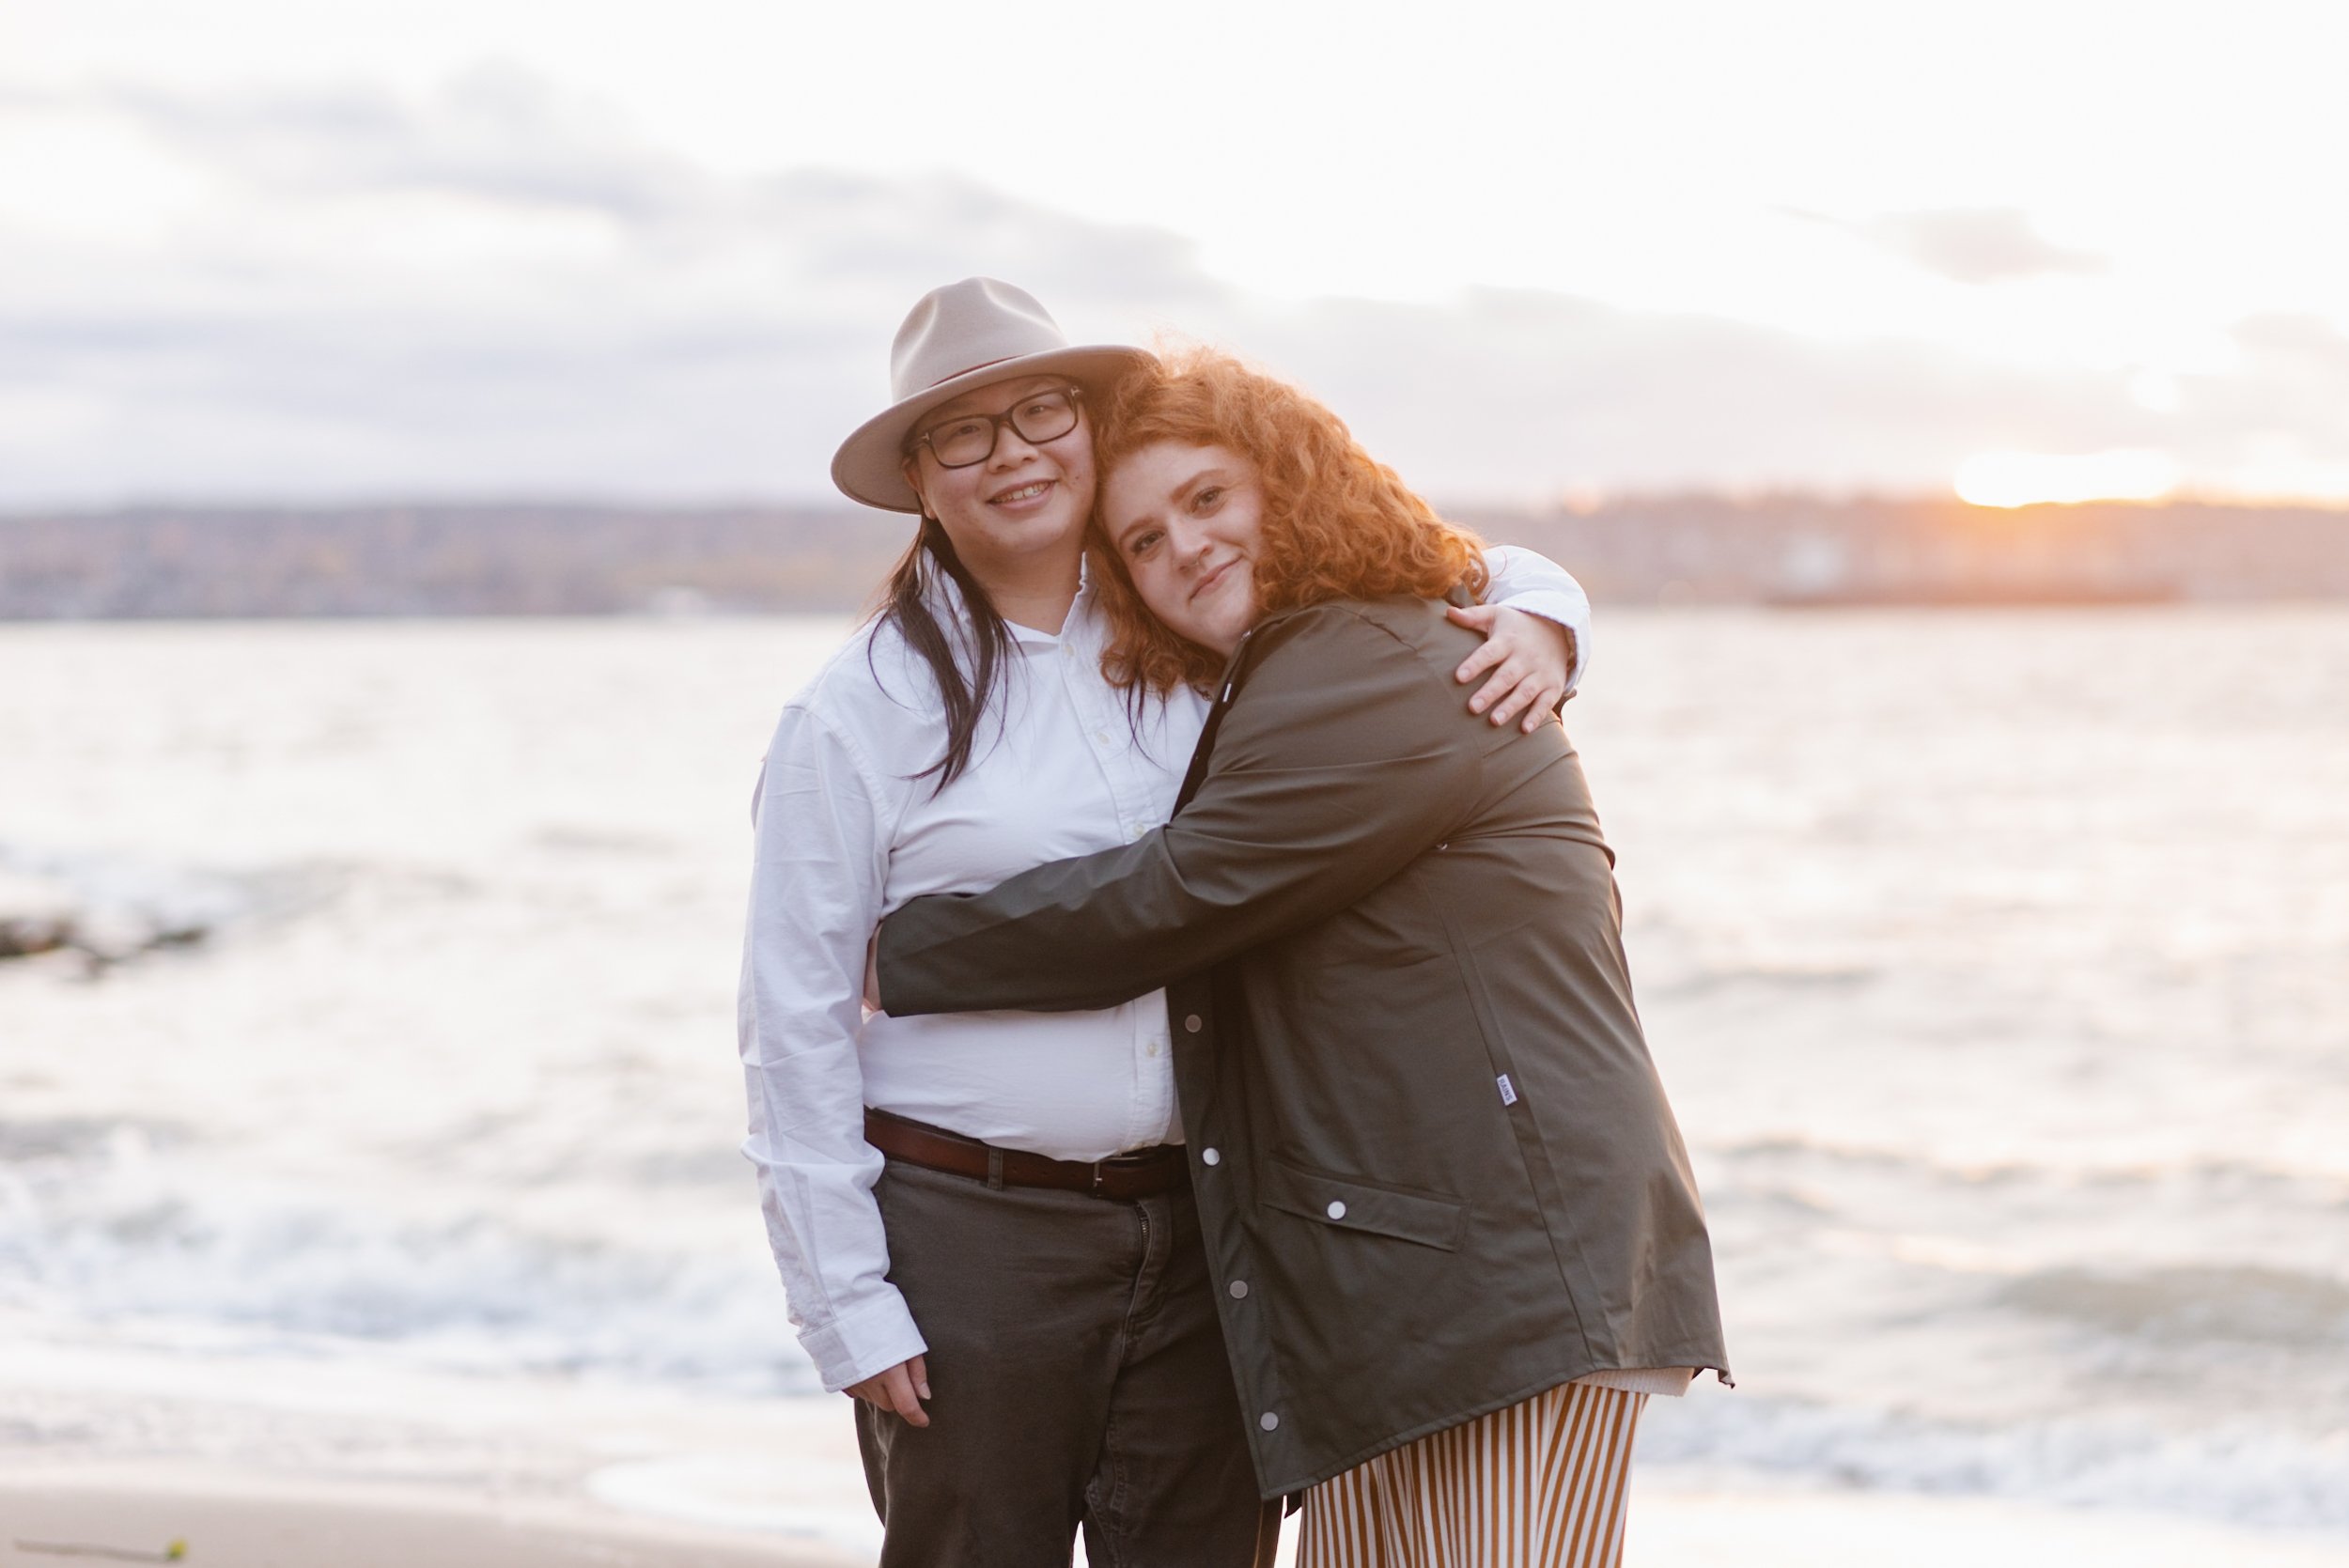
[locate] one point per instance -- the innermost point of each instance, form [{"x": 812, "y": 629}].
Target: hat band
[{"x": 953, "y": 375}]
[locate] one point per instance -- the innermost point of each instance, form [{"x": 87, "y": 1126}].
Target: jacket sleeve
[
  {"x": 1343, "y": 758},
  {"x": 816, "y": 882},
  {"x": 1527, "y": 580}
]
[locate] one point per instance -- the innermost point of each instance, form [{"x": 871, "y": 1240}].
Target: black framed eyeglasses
[{"x": 969, "y": 437}]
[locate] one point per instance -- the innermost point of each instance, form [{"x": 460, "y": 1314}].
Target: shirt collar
[{"x": 952, "y": 610}]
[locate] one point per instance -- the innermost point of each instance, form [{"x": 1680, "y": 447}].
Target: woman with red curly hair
[{"x": 1451, "y": 1224}]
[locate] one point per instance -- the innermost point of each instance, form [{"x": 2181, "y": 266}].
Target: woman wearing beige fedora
[{"x": 983, "y": 1221}]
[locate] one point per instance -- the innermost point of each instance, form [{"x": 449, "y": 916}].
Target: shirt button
[
  {"x": 1239, "y": 1290},
  {"x": 1336, "y": 1211},
  {"x": 1269, "y": 1421},
  {"x": 1210, "y": 1157},
  {"x": 1191, "y": 1023}
]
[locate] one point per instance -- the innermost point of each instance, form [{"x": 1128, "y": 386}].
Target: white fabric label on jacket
[{"x": 1508, "y": 1091}]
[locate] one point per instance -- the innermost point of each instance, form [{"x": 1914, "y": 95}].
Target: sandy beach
[
  {"x": 133, "y": 1515},
  {"x": 257, "y": 1463},
  {"x": 256, "y": 1521}
]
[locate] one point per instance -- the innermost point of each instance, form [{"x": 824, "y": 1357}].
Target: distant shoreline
[{"x": 157, "y": 563}]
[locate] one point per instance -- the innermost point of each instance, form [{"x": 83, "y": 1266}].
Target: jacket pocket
[{"x": 1428, "y": 1219}]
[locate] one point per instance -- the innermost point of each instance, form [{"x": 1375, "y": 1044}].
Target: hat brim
[{"x": 870, "y": 464}]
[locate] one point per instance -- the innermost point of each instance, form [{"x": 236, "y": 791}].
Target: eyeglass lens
[{"x": 1046, "y": 416}]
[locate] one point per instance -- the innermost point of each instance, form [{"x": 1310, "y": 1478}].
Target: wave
[
  {"x": 1817, "y": 1166},
  {"x": 2232, "y": 1471},
  {"x": 2200, "y": 1272},
  {"x": 131, "y": 1234},
  {"x": 117, "y": 1219},
  {"x": 2194, "y": 1304},
  {"x": 1687, "y": 982},
  {"x": 99, "y": 1235}
]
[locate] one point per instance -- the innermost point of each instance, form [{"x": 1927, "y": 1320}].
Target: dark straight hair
[{"x": 906, "y": 600}]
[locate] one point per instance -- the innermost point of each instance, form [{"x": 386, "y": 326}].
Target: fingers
[
  {"x": 1480, "y": 618},
  {"x": 1500, "y": 693},
  {"x": 899, "y": 1391},
  {"x": 1545, "y": 703},
  {"x": 1524, "y": 660},
  {"x": 1488, "y": 654},
  {"x": 899, "y": 1386},
  {"x": 1519, "y": 687},
  {"x": 1519, "y": 698}
]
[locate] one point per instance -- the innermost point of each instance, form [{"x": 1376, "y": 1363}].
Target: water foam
[
  {"x": 2234, "y": 1471},
  {"x": 99, "y": 1232}
]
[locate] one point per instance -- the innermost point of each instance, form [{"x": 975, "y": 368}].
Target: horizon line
[{"x": 1580, "y": 501}]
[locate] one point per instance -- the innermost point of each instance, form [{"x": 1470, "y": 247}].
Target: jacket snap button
[
  {"x": 1267, "y": 1421},
  {"x": 1210, "y": 1157},
  {"x": 1239, "y": 1290},
  {"x": 1337, "y": 1211},
  {"x": 1191, "y": 1023}
]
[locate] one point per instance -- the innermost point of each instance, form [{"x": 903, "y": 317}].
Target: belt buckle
[{"x": 1100, "y": 1179}]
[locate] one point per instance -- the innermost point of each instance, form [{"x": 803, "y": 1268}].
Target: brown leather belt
[{"x": 1141, "y": 1173}]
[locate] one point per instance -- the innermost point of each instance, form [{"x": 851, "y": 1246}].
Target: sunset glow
[{"x": 2034, "y": 478}]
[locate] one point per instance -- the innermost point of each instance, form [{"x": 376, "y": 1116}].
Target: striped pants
[{"x": 1539, "y": 1484}]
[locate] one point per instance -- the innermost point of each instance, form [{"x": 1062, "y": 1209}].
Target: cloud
[
  {"x": 2277, "y": 424},
  {"x": 1971, "y": 244},
  {"x": 1504, "y": 393},
  {"x": 497, "y": 133},
  {"x": 502, "y": 288},
  {"x": 2310, "y": 343},
  {"x": 497, "y": 288}
]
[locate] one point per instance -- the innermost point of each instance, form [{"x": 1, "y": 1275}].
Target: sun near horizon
[{"x": 2012, "y": 479}]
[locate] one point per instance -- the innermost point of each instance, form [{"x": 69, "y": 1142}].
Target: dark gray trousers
[{"x": 1077, "y": 1381}]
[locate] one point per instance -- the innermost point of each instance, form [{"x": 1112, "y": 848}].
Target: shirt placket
[{"x": 1108, "y": 733}]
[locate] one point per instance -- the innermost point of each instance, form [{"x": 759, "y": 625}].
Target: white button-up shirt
[{"x": 846, "y": 832}]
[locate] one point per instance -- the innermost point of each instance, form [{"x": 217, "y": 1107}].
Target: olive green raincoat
[{"x": 1436, "y": 1171}]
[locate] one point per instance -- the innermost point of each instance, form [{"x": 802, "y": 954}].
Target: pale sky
[{"x": 256, "y": 250}]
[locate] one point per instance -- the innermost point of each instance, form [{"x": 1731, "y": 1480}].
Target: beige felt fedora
[{"x": 957, "y": 338}]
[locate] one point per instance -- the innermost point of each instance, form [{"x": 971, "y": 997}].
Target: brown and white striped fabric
[{"x": 1540, "y": 1484}]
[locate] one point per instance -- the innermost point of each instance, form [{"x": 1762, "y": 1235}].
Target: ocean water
[{"x": 1997, "y": 963}]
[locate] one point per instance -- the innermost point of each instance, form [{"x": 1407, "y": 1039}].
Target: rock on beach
[
  {"x": 35, "y": 915},
  {"x": 42, "y": 914}
]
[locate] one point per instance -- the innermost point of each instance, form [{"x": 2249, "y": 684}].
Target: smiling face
[
  {"x": 1187, "y": 521},
  {"x": 1025, "y": 501}
]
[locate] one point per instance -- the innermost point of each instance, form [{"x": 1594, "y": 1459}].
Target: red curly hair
[{"x": 1337, "y": 523}]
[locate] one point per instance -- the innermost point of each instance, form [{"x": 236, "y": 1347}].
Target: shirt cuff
[{"x": 860, "y": 1344}]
